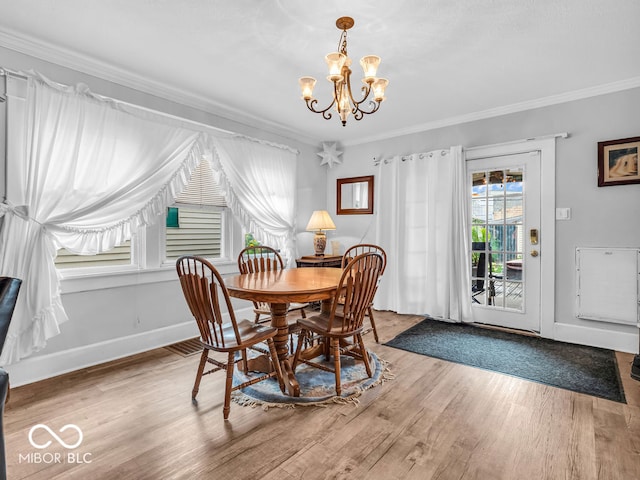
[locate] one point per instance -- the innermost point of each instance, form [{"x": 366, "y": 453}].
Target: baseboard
[
  {"x": 596, "y": 337},
  {"x": 33, "y": 369}
]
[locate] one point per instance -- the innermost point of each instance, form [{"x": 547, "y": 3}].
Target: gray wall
[{"x": 601, "y": 217}]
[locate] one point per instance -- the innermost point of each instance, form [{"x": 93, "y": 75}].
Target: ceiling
[{"x": 446, "y": 61}]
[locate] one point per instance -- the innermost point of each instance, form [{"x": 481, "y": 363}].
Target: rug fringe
[{"x": 246, "y": 401}]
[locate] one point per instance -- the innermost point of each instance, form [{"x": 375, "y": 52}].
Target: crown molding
[
  {"x": 505, "y": 110},
  {"x": 90, "y": 66}
]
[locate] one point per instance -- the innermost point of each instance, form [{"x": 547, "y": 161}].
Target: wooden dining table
[{"x": 278, "y": 289}]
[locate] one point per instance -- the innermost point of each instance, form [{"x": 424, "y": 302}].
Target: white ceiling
[{"x": 446, "y": 60}]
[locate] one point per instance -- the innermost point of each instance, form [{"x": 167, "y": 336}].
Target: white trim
[
  {"x": 517, "y": 142},
  {"x": 596, "y": 337},
  {"x": 34, "y": 369},
  {"x": 80, "y": 281},
  {"x": 547, "y": 147}
]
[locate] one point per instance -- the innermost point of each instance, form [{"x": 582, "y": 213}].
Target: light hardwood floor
[{"x": 435, "y": 420}]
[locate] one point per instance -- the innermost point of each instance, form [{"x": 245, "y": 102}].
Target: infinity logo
[{"x": 53, "y": 434}]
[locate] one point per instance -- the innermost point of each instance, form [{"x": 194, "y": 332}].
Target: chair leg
[
  {"x": 291, "y": 332},
  {"x": 373, "y": 325},
  {"x": 301, "y": 336},
  {"x": 228, "y": 385},
  {"x": 257, "y": 319},
  {"x": 196, "y": 385},
  {"x": 335, "y": 344},
  {"x": 327, "y": 348},
  {"x": 245, "y": 364},
  {"x": 365, "y": 355},
  {"x": 276, "y": 363},
  {"x": 302, "y": 313}
]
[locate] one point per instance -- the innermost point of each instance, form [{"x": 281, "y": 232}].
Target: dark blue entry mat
[{"x": 579, "y": 368}]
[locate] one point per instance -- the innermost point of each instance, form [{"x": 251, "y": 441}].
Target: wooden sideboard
[{"x": 324, "y": 261}]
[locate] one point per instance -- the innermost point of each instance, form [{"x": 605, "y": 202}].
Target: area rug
[
  {"x": 317, "y": 387},
  {"x": 578, "y": 368}
]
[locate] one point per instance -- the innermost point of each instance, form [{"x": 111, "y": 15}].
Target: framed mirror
[{"x": 355, "y": 195}]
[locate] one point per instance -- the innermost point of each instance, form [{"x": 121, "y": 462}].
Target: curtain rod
[
  {"x": 377, "y": 161},
  {"x": 8, "y": 72},
  {"x": 404, "y": 158}
]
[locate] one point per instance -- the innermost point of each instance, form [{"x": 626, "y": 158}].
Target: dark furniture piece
[
  {"x": 334, "y": 261},
  {"x": 9, "y": 288},
  {"x": 205, "y": 293},
  {"x": 483, "y": 274}
]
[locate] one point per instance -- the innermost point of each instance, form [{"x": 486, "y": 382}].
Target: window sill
[{"x": 77, "y": 281}]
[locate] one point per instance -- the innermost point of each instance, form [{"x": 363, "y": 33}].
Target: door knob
[{"x": 534, "y": 253}]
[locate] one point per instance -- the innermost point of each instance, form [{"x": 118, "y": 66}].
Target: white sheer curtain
[
  {"x": 258, "y": 180},
  {"x": 87, "y": 173},
  {"x": 422, "y": 223}
]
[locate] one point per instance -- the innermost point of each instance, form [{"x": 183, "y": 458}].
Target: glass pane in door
[{"x": 497, "y": 230}]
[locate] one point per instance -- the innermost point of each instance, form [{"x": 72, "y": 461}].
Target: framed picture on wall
[{"x": 618, "y": 162}]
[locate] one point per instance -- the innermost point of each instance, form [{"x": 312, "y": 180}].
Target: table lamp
[{"x": 320, "y": 220}]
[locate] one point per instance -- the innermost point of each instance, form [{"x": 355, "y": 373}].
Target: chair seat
[
  {"x": 320, "y": 324},
  {"x": 251, "y": 333}
]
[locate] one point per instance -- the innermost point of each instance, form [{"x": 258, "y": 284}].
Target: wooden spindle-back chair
[
  {"x": 264, "y": 259},
  {"x": 351, "y": 253},
  {"x": 357, "y": 287},
  {"x": 205, "y": 294}
]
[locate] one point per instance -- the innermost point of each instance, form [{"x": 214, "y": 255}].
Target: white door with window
[{"x": 505, "y": 215}]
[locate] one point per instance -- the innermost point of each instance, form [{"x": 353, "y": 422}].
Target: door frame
[{"x": 547, "y": 148}]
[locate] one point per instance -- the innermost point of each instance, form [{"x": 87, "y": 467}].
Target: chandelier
[{"x": 340, "y": 76}]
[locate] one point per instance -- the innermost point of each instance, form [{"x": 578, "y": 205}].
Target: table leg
[
  {"x": 281, "y": 340},
  {"x": 325, "y": 307}
]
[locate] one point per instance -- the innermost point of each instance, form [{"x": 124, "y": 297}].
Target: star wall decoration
[{"x": 330, "y": 154}]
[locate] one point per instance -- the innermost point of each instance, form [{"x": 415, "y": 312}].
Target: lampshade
[
  {"x": 320, "y": 220},
  {"x": 307, "y": 84},
  {"x": 379, "y": 85},
  {"x": 335, "y": 62},
  {"x": 370, "y": 66}
]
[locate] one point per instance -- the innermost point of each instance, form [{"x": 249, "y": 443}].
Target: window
[
  {"x": 121, "y": 255},
  {"x": 199, "y": 232},
  {"x": 195, "y": 224}
]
